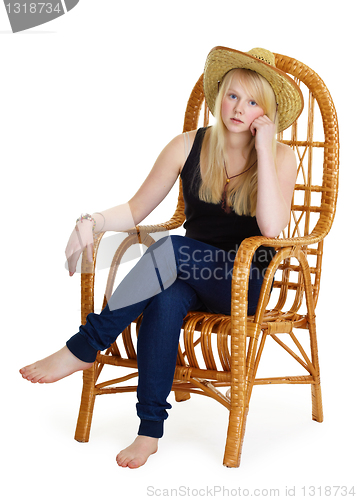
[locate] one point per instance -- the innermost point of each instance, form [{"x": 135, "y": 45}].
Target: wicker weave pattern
[{"x": 224, "y": 351}]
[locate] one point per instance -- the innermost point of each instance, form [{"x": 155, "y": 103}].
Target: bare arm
[
  {"x": 127, "y": 215},
  {"x": 276, "y": 181},
  {"x": 153, "y": 190}
]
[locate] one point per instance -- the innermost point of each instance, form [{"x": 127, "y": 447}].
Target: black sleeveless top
[{"x": 208, "y": 222}]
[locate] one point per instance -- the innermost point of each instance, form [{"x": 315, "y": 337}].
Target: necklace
[{"x": 224, "y": 204}]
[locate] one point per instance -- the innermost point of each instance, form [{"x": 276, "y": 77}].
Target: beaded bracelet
[{"x": 87, "y": 217}]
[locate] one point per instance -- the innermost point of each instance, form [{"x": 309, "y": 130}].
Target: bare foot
[
  {"x": 138, "y": 452},
  {"x": 55, "y": 367}
]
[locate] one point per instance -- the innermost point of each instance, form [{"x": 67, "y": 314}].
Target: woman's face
[{"x": 239, "y": 110}]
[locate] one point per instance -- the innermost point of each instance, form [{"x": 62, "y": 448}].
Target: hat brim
[{"x": 288, "y": 95}]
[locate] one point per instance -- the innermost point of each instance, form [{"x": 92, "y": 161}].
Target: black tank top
[{"x": 208, "y": 222}]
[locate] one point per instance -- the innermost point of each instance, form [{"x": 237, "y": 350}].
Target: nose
[{"x": 238, "y": 108}]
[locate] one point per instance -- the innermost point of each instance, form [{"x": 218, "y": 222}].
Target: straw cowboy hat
[{"x": 221, "y": 60}]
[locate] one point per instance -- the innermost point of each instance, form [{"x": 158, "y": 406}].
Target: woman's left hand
[{"x": 264, "y": 131}]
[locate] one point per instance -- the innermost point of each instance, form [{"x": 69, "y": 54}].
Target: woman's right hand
[{"x": 81, "y": 238}]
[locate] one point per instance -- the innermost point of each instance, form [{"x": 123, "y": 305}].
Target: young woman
[{"x": 237, "y": 182}]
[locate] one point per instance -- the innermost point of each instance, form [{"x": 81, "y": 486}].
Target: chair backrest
[{"x": 315, "y": 139}]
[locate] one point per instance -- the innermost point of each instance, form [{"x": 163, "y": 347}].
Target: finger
[
  {"x": 72, "y": 262},
  {"x": 79, "y": 237}
]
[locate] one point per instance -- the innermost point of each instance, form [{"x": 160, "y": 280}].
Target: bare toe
[
  {"x": 54, "y": 367},
  {"x": 138, "y": 452}
]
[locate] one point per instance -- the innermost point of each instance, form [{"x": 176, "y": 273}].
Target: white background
[{"x": 87, "y": 103}]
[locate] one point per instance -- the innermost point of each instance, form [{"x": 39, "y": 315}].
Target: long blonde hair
[{"x": 242, "y": 195}]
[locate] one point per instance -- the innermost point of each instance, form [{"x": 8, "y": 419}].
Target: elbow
[
  {"x": 272, "y": 225},
  {"x": 271, "y": 230},
  {"x": 136, "y": 213},
  {"x": 270, "y": 234}
]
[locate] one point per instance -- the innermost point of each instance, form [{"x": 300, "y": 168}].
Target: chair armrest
[
  {"x": 143, "y": 232},
  {"x": 249, "y": 246},
  {"x": 138, "y": 234},
  {"x": 240, "y": 278},
  {"x": 140, "y": 231},
  {"x": 287, "y": 247},
  {"x": 244, "y": 257},
  {"x": 176, "y": 221}
]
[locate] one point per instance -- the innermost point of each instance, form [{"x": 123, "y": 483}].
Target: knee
[
  {"x": 177, "y": 240},
  {"x": 178, "y": 297}
]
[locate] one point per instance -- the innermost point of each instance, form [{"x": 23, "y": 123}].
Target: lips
[{"x": 235, "y": 120}]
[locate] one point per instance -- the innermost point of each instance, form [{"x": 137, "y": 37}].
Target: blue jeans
[{"x": 175, "y": 275}]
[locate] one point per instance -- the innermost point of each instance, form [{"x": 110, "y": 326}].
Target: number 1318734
[
  {"x": 328, "y": 491},
  {"x": 34, "y": 8}
]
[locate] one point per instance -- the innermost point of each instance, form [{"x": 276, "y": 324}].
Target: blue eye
[
  {"x": 232, "y": 96},
  {"x": 253, "y": 103}
]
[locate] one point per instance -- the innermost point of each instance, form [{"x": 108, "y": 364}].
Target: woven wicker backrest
[{"x": 314, "y": 137}]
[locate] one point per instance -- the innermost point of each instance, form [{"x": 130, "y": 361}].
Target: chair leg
[
  {"x": 182, "y": 396},
  {"x": 87, "y": 404},
  {"x": 235, "y": 436},
  {"x": 317, "y": 413}
]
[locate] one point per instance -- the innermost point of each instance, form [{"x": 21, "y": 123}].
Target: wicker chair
[{"x": 218, "y": 351}]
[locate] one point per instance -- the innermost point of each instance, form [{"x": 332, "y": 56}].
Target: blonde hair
[{"x": 242, "y": 194}]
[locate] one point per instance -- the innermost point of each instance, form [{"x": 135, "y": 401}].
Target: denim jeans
[{"x": 175, "y": 275}]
